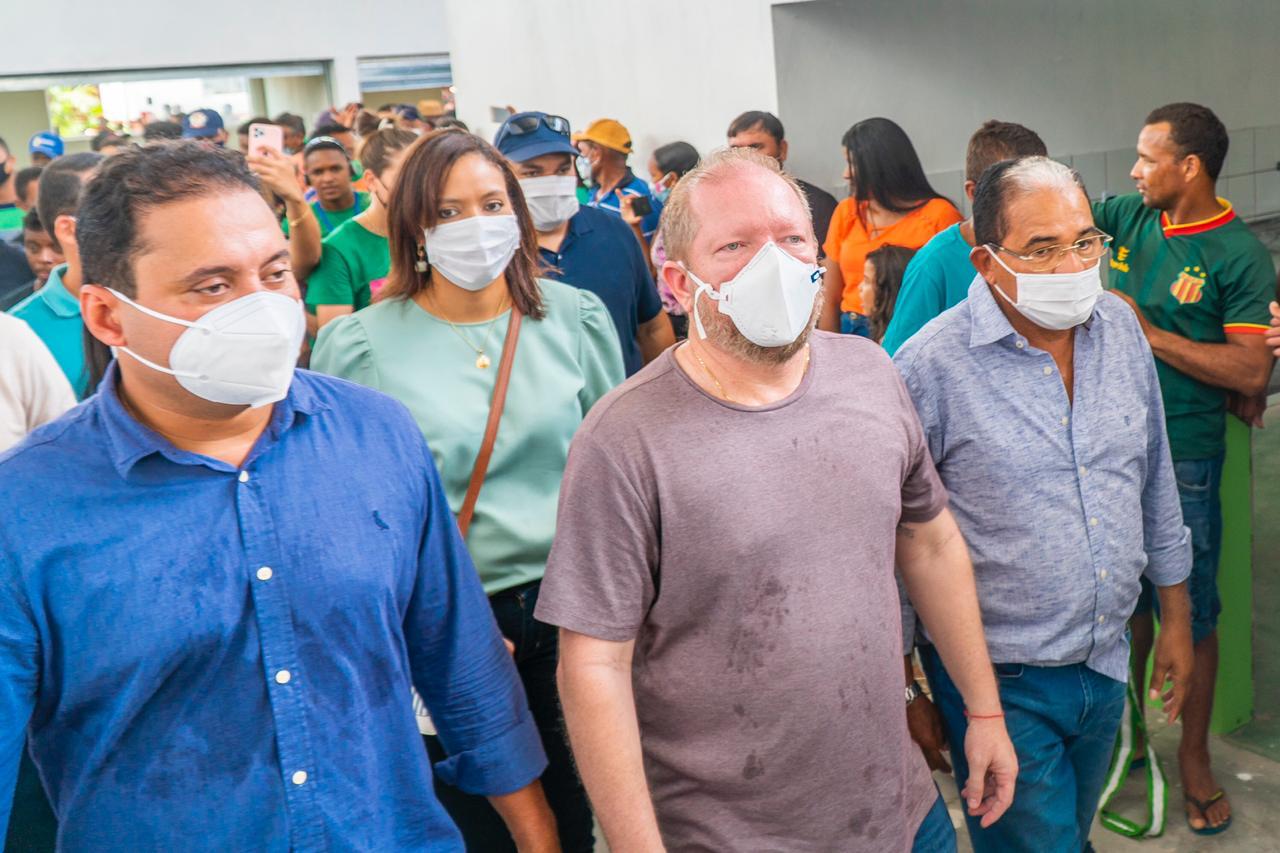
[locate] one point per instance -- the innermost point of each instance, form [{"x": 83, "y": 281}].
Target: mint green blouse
[{"x": 564, "y": 363}]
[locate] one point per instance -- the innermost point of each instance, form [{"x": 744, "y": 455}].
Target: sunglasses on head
[{"x": 529, "y": 124}]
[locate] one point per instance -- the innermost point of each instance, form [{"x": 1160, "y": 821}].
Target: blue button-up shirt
[
  {"x": 220, "y": 658},
  {"x": 1063, "y": 506}
]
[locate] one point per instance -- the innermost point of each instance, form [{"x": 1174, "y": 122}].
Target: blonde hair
[{"x": 679, "y": 225}]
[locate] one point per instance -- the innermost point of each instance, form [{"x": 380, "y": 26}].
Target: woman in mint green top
[{"x": 464, "y": 255}]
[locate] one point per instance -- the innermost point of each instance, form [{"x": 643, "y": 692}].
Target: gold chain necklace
[
  {"x": 720, "y": 388},
  {"x": 482, "y": 358}
]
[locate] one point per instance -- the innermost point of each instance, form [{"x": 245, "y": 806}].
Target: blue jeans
[
  {"x": 1199, "y": 487},
  {"x": 854, "y": 324},
  {"x": 936, "y": 834},
  {"x": 1063, "y": 722}
]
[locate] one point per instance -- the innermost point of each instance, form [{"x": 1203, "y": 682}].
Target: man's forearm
[
  {"x": 1231, "y": 366},
  {"x": 833, "y": 287},
  {"x": 935, "y": 567},
  {"x": 1175, "y": 606},
  {"x": 655, "y": 336},
  {"x": 600, "y": 713},
  {"x": 528, "y": 818},
  {"x": 304, "y": 237}
]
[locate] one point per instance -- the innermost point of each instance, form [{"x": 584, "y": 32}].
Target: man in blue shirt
[
  {"x": 238, "y": 570},
  {"x": 604, "y": 147},
  {"x": 53, "y": 311},
  {"x": 584, "y": 246},
  {"x": 939, "y": 275},
  {"x": 1042, "y": 411}
]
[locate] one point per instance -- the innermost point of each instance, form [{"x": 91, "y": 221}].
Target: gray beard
[{"x": 725, "y": 335}]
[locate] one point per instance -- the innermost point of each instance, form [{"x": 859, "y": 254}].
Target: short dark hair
[
  {"x": 1195, "y": 129},
  {"x": 677, "y": 157},
  {"x": 886, "y": 167},
  {"x": 376, "y": 148},
  {"x": 23, "y": 179},
  {"x": 752, "y": 119},
  {"x": 1003, "y": 182},
  {"x": 244, "y": 126},
  {"x": 1000, "y": 140},
  {"x": 134, "y": 182},
  {"x": 447, "y": 122},
  {"x": 160, "y": 130},
  {"x": 106, "y": 139},
  {"x": 31, "y": 222},
  {"x": 289, "y": 121},
  {"x": 61, "y": 184},
  {"x": 329, "y": 129}
]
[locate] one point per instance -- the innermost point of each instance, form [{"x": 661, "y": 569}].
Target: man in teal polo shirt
[
  {"x": 939, "y": 275},
  {"x": 53, "y": 311}
]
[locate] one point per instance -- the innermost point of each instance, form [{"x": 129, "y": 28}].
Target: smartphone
[
  {"x": 265, "y": 136},
  {"x": 641, "y": 206}
]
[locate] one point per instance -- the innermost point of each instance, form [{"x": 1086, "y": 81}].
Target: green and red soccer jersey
[{"x": 1201, "y": 280}]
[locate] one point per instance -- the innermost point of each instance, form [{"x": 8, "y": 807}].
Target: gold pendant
[{"x": 482, "y": 361}]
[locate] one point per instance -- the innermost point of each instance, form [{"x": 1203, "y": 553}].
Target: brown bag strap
[{"x": 491, "y": 427}]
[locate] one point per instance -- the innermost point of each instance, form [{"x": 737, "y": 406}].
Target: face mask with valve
[{"x": 770, "y": 300}]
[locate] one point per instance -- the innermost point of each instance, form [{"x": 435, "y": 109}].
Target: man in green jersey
[
  {"x": 1200, "y": 283},
  {"x": 328, "y": 170}
]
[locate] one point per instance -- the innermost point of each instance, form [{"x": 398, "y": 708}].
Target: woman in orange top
[{"x": 891, "y": 202}]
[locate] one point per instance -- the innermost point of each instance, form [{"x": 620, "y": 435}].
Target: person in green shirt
[
  {"x": 1200, "y": 283},
  {"x": 11, "y": 212},
  {"x": 464, "y": 258},
  {"x": 355, "y": 258},
  {"x": 326, "y": 167}
]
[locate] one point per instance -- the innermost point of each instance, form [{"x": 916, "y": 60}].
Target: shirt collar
[
  {"x": 131, "y": 441},
  {"x": 57, "y": 297},
  {"x": 1218, "y": 219},
  {"x": 988, "y": 323}
]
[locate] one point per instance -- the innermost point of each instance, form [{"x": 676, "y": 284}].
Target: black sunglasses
[{"x": 529, "y": 124}]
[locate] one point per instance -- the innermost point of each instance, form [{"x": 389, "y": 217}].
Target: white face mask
[
  {"x": 241, "y": 353},
  {"x": 552, "y": 199},
  {"x": 472, "y": 252},
  {"x": 584, "y": 167},
  {"x": 770, "y": 300},
  {"x": 1057, "y": 301}
]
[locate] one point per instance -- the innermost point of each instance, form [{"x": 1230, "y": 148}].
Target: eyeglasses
[
  {"x": 529, "y": 124},
  {"x": 1048, "y": 258}
]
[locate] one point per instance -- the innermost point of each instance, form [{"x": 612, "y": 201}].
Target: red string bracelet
[{"x": 969, "y": 716}]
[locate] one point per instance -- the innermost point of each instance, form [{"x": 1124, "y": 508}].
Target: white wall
[
  {"x": 1082, "y": 73},
  {"x": 667, "y": 69},
  {"x": 74, "y": 35}
]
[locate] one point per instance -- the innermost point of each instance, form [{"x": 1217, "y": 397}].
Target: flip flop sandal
[{"x": 1203, "y": 806}]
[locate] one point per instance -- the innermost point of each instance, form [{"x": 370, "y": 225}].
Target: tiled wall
[{"x": 1250, "y": 178}]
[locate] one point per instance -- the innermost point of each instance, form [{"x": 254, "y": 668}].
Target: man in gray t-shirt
[{"x": 723, "y": 569}]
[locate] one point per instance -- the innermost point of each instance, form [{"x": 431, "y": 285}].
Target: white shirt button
[
  {"x": 264, "y": 573},
  {"x": 1083, "y": 470},
  {"x": 1066, "y": 421},
  {"x": 300, "y": 777},
  {"x": 1093, "y": 522},
  {"x": 1102, "y": 619},
  {"x": 1103, "y": 574},
  {"x": 244, "y": 476},
  {"x": 283, "y": 676},
  {"x": 1020, "y": 344},
  {"x": 1048, "y": 370}
]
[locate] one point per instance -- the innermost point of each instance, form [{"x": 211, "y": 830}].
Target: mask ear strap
[
  {"x": 149, "y": 312},
  {"x": 711, "y": 294}
]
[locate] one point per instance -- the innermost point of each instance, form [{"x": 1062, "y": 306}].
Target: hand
[
  {"x": 1273, "y": 334},
  {"x": 277, "y": 172},
  {"x": 625, "y": 208},
  {"x": 925, "y": 725},
  {"x": 993, "y": 769},
  {"x": 345, "y": 116},
  {"x": 1142, "y": 318},
  {"x": 1174, "y": 658},
  {"x": 1247, "y": 409}
]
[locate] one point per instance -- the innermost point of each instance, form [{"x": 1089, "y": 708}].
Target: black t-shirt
[
  {"x": 822, "y": 205},
  {"x": 15, "y": 275}
]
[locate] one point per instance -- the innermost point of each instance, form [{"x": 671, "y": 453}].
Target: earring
[{"x": 421, "y": 265}]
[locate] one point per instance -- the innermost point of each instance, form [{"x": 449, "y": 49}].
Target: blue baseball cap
[
  {"x": 201, "y": 124},
  {"x": 524, "y": 136},
  {"x": 46, "y": 142}
]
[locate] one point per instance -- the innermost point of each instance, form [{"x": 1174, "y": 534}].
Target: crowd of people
[{"x": 401, "y": 489}]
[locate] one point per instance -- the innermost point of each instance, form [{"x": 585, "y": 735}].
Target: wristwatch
[{"x": 914, "y": 692}]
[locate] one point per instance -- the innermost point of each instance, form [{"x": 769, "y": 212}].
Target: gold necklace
[
  {"x": 482, "y": 358},
  {"x": 720, "y": 388}
]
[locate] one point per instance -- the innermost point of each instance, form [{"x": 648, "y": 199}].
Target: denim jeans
[
  {"x": 535, "y": 656},
  {"x": 1063, "y": 722},
  {"x": 936, "y": 834},
  {"x": 854, "y": 324},
  {"x": 1199, "y": 488}
]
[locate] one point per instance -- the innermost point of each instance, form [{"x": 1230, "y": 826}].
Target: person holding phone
[
  {"x": 584, "y": 246},
  {"x": 603, "y": 150},
  {"x": 464, "y": 287}
]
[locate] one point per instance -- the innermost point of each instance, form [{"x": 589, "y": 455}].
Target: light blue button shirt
[
  {"x": 54, "y": 314},
  {"x": 1064, "y": 506}
]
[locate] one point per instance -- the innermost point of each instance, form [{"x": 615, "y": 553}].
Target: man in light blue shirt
[
  {"x": 1042, "y": 411},
  {"x": 53, "y": 311},
  {"x": 940, "y": 273}
]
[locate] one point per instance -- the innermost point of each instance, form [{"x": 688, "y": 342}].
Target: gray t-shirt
[{"x": 749, "y": 552}]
